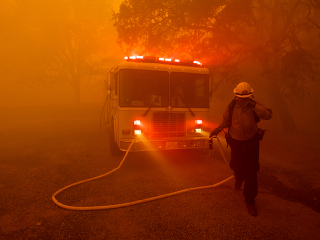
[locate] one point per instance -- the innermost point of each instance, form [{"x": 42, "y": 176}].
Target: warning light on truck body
[
  {"x": 198, "y": 122},
  {"x": 137, "y": 132},
  {"x": 137, "y": 123}
]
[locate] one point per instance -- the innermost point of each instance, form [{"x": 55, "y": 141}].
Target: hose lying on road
[{"x": 135, "y": 202}]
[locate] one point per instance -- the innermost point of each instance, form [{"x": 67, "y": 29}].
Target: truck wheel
[{"x": 114, "y": 149}]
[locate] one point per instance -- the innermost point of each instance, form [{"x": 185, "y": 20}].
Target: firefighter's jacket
[{"x": 244, "y": 125}]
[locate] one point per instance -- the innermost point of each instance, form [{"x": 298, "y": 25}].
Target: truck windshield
[
  {"x": 144, "y": 88},
  {"x": 189, "y": 90}
]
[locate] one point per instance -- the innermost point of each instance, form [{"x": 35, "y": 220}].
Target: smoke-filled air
[
  {"x": 169, "y": 86},
  {"x": 58, "y": 53}
]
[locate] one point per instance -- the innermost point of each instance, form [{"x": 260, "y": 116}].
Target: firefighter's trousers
[{"x": 245, "y": 164}]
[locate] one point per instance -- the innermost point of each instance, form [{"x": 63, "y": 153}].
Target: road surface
[{"x": 40, "y": 155}]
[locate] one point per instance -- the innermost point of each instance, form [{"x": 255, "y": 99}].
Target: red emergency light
[
  {"x": 174, "y": 61},
  {"x": 198, "y": 122},
  {"x": 137, "y": 123},
  {"x": 197, "y": 62},
  {"x": 137, "y": 127}
]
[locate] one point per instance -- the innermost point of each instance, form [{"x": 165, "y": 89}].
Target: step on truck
[{"x": 164, "y": 102}]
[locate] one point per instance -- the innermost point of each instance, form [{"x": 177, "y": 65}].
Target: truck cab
[{"x": 162, "y": 102}]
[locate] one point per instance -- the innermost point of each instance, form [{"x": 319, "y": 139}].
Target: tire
[{"x": 114, "y": 149}]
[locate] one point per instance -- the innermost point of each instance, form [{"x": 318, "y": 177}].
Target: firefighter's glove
[
  {"x": 251, "y": 104},
  {"x": 214, "y": 133}
]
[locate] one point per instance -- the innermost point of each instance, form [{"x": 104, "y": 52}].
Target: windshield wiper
[
  {"x": 151, "y": 105},
  {"x": 192, "y": 113}
]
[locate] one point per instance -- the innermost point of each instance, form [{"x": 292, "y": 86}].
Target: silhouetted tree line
[
  {"x": 281, "y": 36},
  {"x": 44, "y": 42}
]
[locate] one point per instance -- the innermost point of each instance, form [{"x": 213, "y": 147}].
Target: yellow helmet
[{"x": 243, "y": 90}]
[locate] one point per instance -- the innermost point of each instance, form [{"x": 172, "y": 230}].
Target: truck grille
[{"x": 165, "y": 124}]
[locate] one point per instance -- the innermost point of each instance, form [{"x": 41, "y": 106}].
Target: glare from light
[
  {"x": 199, "y": 122},
  {"x": 137, "y": 132},
  {"x": 137, "y": 122},
  {"x": 198, "y": 130},
  {"x": 197, "y": 62}
]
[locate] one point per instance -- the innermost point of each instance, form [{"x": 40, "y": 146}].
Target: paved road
[{"x": 40, "y": 156}]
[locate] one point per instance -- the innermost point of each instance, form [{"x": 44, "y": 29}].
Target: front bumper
[{"x": 142, "y": 144}]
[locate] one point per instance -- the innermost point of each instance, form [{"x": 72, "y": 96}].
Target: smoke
[
  {"x": 39, "y": 37},
  {"x": 38, "y": 44}
]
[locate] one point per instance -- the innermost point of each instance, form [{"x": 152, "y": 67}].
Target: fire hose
[{"x": 138, "y": 201}]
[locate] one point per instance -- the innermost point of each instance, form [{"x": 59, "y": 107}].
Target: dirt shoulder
[{"x": 291, "y": 167}]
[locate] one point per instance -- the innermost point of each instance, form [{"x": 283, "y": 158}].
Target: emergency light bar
[
  {"x": 133, "y": 57},
  {"x": 149, "y": 59}
]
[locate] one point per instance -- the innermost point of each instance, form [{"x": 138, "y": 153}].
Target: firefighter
[{"x": 241, "y": 118}]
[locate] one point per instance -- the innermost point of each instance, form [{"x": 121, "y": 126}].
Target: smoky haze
[
  {"x": 57, "y": 54},
  {"x": 303, "y": 108}
]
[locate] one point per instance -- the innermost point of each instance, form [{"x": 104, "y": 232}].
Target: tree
[
  {"x": 226, "y": 33},
  {"x": 60, "y": 41},
  {"x": 282, "y": 53}
]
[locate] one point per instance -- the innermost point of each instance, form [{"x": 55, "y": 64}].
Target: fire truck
[{"x": 159, "y": 103}]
